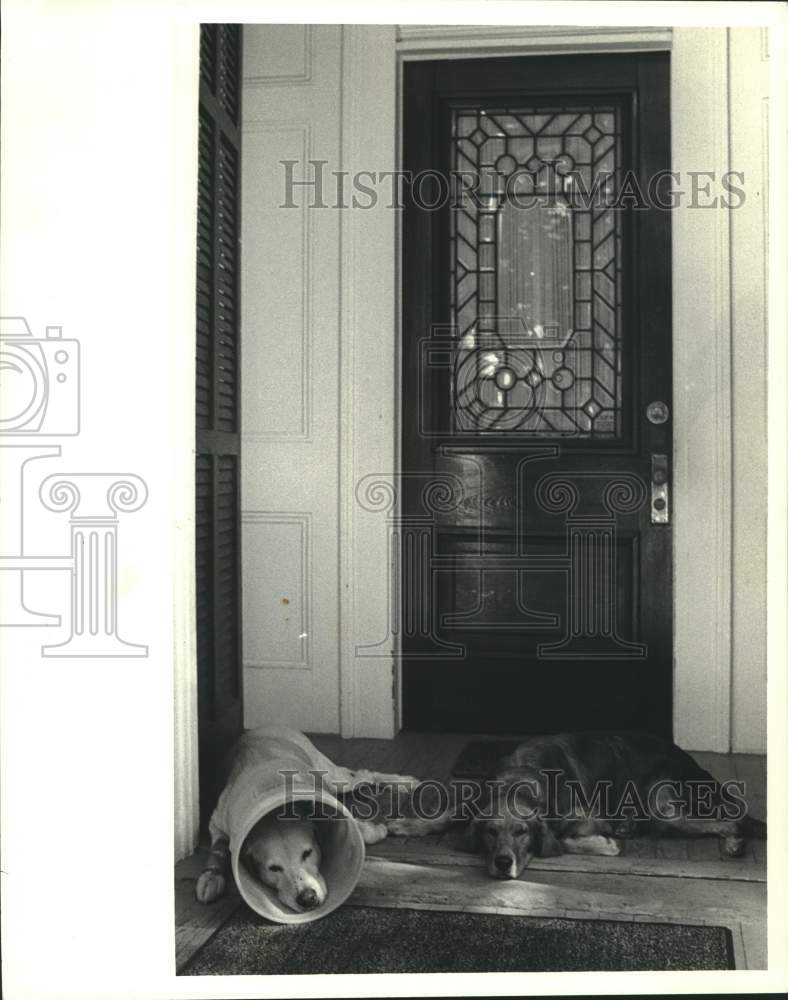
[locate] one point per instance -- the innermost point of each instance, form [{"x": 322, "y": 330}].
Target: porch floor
[{"x": 675, "y": 880}]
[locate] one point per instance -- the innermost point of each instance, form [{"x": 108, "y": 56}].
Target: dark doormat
[
  {"x": 479, "y": 758},
  {"x": 363, "y": 939}
]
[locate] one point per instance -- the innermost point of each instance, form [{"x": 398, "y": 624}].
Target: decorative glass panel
[{"x": 536, "y": 270}]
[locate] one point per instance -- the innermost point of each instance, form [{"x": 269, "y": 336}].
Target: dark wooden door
[
  {"x": 217, "y": 473},
  {"x": 535, "y": 537}
]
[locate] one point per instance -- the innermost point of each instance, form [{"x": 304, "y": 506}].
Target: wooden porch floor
[{"x": 675, "y": 880}]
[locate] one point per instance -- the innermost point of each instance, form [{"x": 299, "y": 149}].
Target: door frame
[{"x": 703, "y": 522}]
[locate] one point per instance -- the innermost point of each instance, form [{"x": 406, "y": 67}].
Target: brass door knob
[{"x": 657, "y": 412}]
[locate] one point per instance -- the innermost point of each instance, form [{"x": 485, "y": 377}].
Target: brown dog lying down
[{"x": 577, "y": 793}]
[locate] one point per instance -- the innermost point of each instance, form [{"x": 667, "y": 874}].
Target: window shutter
[{"x": 218, "y": 554}]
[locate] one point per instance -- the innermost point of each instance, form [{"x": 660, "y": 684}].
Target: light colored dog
[
  {"x": 284, "y": 854},
  {"x": 285, "y": 857}
]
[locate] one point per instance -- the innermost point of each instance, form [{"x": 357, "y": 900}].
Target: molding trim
[
  {"x": 184, "y": 656},
  {"x": 431, "y": 41},
  {"x": 304, "y": 431},
  {"x": 288, "y": 79},
  {"x": 368, "y": 423},
  {"x": 349, "y": 80},
  {"x": 186, "y": 817},
  {"x": 304, "y": 523},
  {"x": 702, "y": 423}
]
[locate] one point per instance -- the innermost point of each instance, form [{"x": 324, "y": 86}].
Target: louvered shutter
[{"x": 218, "y": 556}]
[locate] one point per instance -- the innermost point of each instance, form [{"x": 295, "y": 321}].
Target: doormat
[
  {"x": 479, "y": 758},
  {"x": 365, "y": 939}
]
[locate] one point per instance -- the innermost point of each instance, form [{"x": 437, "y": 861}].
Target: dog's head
[
  {"x": 509, "y": 831},
  {"x": 284, "y": 854}
]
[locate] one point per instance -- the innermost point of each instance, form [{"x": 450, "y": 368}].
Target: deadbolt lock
[{"x": 660, "y": 512}]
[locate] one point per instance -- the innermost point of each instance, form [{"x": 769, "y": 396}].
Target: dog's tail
[{"x": 752, "y": 827}]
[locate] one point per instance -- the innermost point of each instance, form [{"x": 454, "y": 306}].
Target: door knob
[{"x": 657, "y": 412}]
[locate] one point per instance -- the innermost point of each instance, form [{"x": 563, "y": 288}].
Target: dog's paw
[
  {"x": 609, "y": 847},
  {"x": 209, "y": 886},
  {"x": 399, "y": 827},
  {"x": 407, "y": 783},
  {"x": 733, "y": 847},
  {"x": 411, "y": 826},
  {"x": 372, "y": 833}
]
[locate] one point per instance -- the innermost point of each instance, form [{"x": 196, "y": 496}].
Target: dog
[
  {"x": 284, "y": 853},
  {"x": 285, "y": 856},
  {"x": 545, "y": 800}
]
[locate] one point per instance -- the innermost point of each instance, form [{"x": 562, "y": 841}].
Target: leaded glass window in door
[{"x": 536, "y": 270}]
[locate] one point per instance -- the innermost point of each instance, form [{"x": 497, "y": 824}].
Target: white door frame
[{"x": 701, "y": 305}]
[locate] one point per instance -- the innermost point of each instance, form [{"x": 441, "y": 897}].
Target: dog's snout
[
  {"x": 503, "y": 862},
  {"x": 307, "y": 898}
]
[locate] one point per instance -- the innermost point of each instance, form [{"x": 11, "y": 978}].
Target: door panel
[
  {"x": 536, "y": 589},
  {"x": 290, "y": 402}
]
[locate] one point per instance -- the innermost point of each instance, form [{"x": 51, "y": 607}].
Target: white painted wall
[
  {"x": 369, "y": 385},
  {"x": 719, "y": 334},
  {"x": 320, "y": 372},
  {"x": 319, "y": 396},
  {"x": 290, "y": 390},
  {"x": 749, "y": 110},
  {"x": 701, "y": 398}
]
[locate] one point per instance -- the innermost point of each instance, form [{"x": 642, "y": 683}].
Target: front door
[{"x": 534, "y": 526}]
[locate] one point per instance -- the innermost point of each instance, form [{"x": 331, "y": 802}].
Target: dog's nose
[
  {"x": 307, "y": 898},
  {"x": 502, "y": 862}
]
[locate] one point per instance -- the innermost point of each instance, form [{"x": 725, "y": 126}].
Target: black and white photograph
[{"x": 393, "y": 427}]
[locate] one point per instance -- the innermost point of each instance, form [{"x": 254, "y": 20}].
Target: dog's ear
[
  {"x": 546, "y": 843},
  {"x": 469, "y": 839},
  {"x": 247, "y": 859}
]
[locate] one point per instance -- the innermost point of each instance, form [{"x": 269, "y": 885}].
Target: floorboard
[
  {"x": 590, "y": 895},
  {"x": 675, "y": 848},
  {"x": 195, "y": 922},
  {"x": 429, "y": 850},
  {"x": 703, "y": 849},
  {"x": 641, "y": 847}
]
